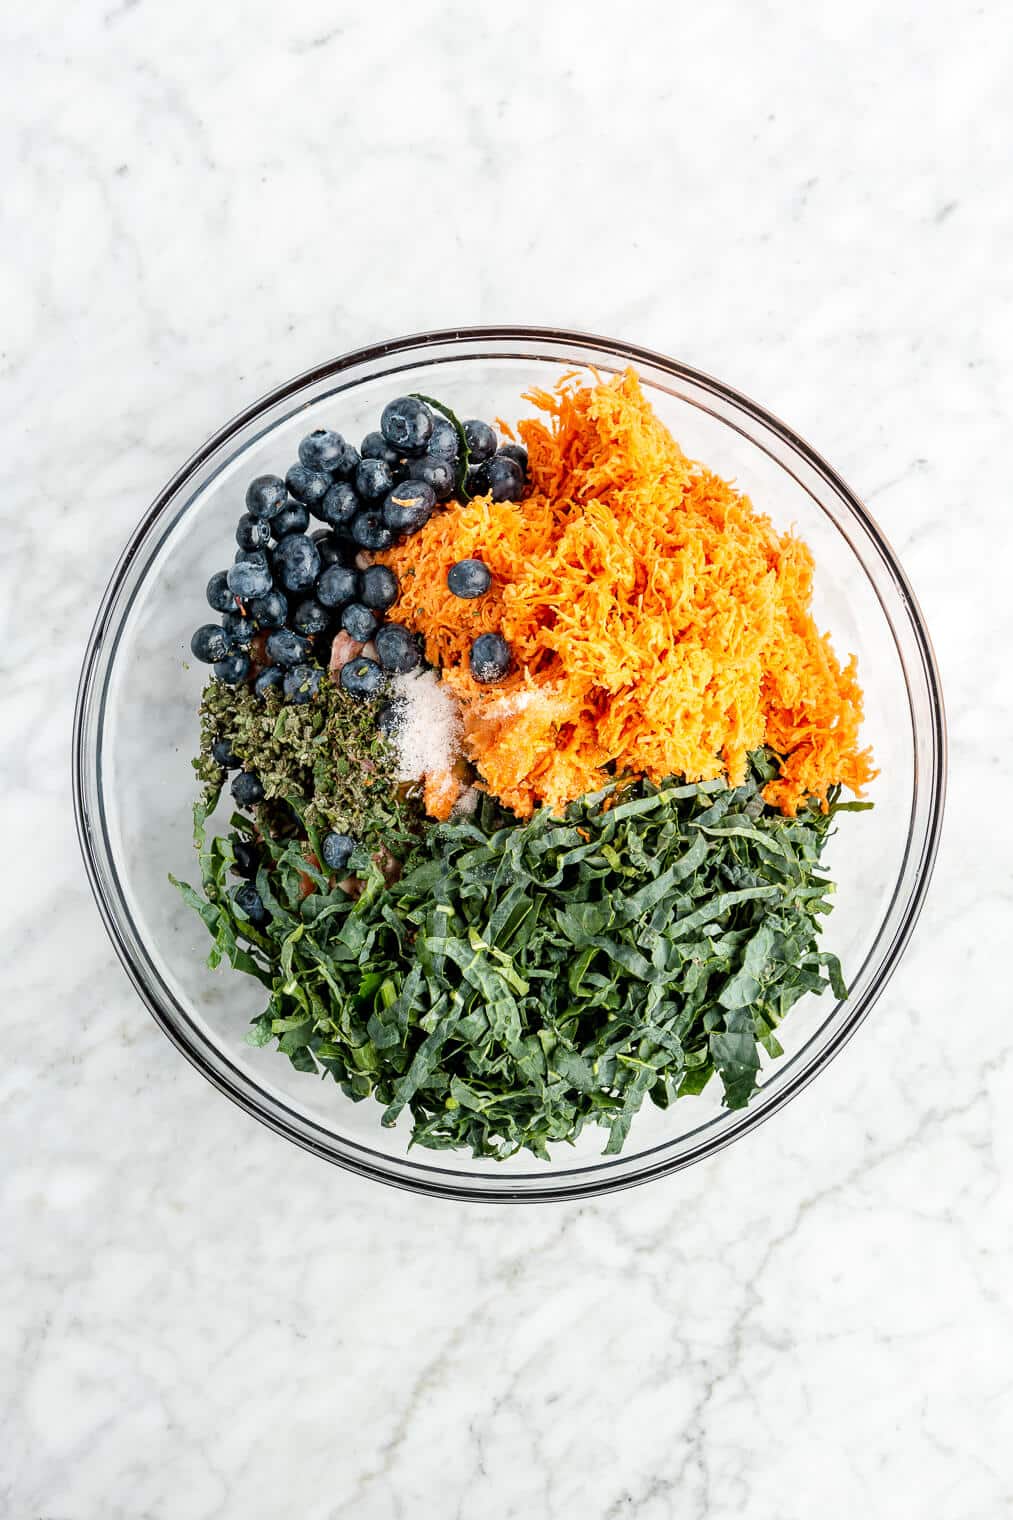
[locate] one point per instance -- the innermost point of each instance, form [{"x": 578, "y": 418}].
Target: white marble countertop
[{"x": 200, "y": 1321}]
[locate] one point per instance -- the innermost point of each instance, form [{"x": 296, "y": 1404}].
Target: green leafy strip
[
  {"x": 465, "y": 458},
  {"x": 522, "y": 979}
]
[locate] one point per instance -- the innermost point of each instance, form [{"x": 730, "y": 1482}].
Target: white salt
[
  {"x": 517, "y": 702},
  {"x": 428, "y": 728}
]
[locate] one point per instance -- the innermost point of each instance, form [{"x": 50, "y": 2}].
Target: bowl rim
[{"x": 432, "y": 1182}]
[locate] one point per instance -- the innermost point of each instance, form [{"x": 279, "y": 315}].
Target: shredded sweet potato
[
  {"x": 659, "y": 625},
  {"x": 441, "y": 791}
]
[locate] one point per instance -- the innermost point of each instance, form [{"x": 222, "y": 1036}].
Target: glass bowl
[{"x": 136, "y": 731}]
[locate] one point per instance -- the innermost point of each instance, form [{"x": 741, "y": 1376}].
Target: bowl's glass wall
[{"x": 137, "y": 732}]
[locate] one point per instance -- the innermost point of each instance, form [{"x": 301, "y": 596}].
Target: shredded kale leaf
[
  {"x": 524, "y": 978},
  {"x": 464, "y": 454}
]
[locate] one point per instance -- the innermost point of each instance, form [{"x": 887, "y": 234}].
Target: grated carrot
[
  {"x": 441, "y": 791},
  {"x": 659, "y": 624}
]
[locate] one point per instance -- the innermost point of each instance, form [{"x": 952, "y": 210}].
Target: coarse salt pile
[{"x": 426, "y": 736}]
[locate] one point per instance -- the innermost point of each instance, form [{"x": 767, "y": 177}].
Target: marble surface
[{"x": 812, "y": 202}]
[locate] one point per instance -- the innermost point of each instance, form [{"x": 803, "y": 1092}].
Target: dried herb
[{"x": 326, "y": 759}]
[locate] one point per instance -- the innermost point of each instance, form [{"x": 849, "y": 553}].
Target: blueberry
[
  {"x": 247, "y": 788},
  {"x": 482, "y": 440},
  {"x": 233, "y": 669},
  {"x": 240, "y": 629},
  {"x": 373, "y": 479},
  {"x": 358, "y": 622},
  {"x": 210, "y": 643},
  {"x": 371, "y": 532},
  {"x": 408, "y": 506},
  {"x": 489, "y": 657},
  {"x": 516, "y": 452},
  {"x": 268, "y": 678},
  {"x": 469, "y": 578},
  {"x": 505, "y": 478},
  {"x": 407, "y": 425},
  {"x": 293, "y": 518},
  {"x": 361, "y": 677},
  {"x": 306, "y": 485},
  {"x": 347, "y": 464},
  {"x": 247, "y": 857},
  {"x": 296, "y": 562},
  {"x": 397, "y": 648},
  {"x": 309, "y": 617},
  {"x": 247, "y": 556},
  {"x": 265, "y": 496},
  {"x": 443, "y": 440},
  {"x": 250, "y": 577},
  {"x": 270, "y": 610},
  {"x": 302, "y": 683},
  {"x": 322, "y": 450},
  {"x": 337, "y": 585},
  {"x": 286, "y": 648},
  {"x": 375, "y": 446},
  {"x": 336, "y": 850},
  {"x": 219, "y": 595},
  {"x": 391, "y": 716},
  {"x": 476, "y": 481},
  {"x": 379, "y": 588},
  {"x": 440, "y": 474},
  {"x": 333, "y": 550},
  {"x": 340, "y": 504},
  {"x": 249, "y": 900},
  {"x": 224, "y": 755},
  {"x": 253, "y": 532}
]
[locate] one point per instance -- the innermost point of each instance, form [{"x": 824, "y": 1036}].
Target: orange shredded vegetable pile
[
  {"x": 658, "y": 623},
  {"x": 440, "y": 791}
]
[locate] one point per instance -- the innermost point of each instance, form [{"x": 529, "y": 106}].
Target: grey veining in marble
[{"x": 199, "y": 200}]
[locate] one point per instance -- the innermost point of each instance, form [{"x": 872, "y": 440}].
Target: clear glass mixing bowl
[{"x": 136, "y": 731}]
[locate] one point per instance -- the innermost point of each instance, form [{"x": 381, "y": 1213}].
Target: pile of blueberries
[
  {"x": 290, "y": 591},
  {"x": 299, "y": 589}
]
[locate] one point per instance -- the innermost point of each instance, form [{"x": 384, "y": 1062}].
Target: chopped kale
[{"x": 521, "y": 979}]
